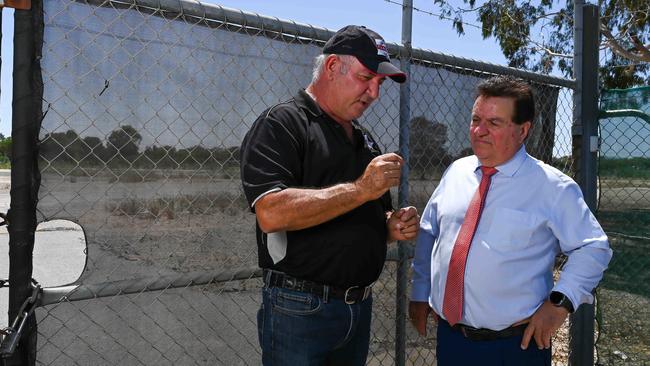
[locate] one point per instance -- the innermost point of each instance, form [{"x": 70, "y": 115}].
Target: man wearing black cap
[{"x": 319, "y": 187}]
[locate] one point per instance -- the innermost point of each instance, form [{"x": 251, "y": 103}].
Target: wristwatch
[{"x": 560, "y": 300}]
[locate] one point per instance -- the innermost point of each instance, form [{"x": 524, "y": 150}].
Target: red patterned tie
[{"x": 452, "y": 306}]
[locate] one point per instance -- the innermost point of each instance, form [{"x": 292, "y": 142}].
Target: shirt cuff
[
  {"x": 420, "y": 292},
  {"x": 569, "y": 295},
  {"x": 276, "y": 189}
]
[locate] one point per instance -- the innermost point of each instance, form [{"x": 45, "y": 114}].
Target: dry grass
[
  {"x": 170, "y": 207},
  {"x": 204, "y": 231}
]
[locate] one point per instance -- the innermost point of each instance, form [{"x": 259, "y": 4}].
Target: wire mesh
[
  {"x": 442, "y": 99},
  {"x": 624, "y": 212},
  {"x": 145, "y": 109}
]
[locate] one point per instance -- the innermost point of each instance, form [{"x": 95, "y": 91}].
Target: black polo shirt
[{"x": 295, "y": 144}]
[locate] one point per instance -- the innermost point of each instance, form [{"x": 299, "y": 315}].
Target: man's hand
[
  {"x": 403, "y": 224},
  {"x": 419, "y": 313},
  {"x": 382, "y": 173},
  {"x": 543, "y": 325}
]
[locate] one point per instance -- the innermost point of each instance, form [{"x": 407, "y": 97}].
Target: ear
[
  {"x": 525, "y": 128},
  {"x": 330, "y": 65}
]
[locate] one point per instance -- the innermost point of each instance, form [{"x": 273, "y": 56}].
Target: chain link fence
[
  {"x": 624, "y": 212},
  {"x": 145, "y": 104}
]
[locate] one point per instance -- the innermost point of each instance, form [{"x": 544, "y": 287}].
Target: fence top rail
[{"x": 306, "y": 32}]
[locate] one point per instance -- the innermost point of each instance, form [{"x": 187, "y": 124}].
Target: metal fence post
[
  {"x": 107, "y": 69},
  {"x": 586, "y": 129},
  {"x": 405, "y": 115},
  {"x": 24, "y": 179}
]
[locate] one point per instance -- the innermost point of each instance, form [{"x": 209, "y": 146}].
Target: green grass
[
  {"x": 629, "y": 235},
  {"x": 630, "y": 223},
  {"x": 627, "y": 270},
  {"x": 624, "y": 168}
]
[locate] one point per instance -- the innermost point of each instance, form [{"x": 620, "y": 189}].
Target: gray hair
[{"x": 320, "y": 60}]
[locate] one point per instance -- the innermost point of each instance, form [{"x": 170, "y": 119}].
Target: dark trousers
[{"x": 455, "y": 350}]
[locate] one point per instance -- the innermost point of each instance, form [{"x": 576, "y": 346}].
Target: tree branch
[
  {"x": 551, "y": 53},
  {"x": 542, "y": 47},
  {"x": 643, "y": 49},
  {"x": 618, "y": 49}
]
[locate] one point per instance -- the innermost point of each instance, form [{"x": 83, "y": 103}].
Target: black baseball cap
[{"x": 368, "y": 47}]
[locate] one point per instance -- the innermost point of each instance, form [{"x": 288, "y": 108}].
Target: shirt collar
[
  {"x": 306, "y": 102},
  {"x": 510, "y": 167}
]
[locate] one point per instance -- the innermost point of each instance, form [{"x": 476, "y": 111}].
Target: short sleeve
[{"x": 271, "y": 153}]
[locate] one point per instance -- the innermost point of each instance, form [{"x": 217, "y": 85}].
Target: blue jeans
[
  {"x": 298, "y": 328},
  {"x": 454, "y": 349}
]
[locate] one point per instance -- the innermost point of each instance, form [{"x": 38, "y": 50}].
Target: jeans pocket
[{"x": 294, "y": 302}]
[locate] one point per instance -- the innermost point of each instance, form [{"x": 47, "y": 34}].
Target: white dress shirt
[{"x": 532, "y": 212}]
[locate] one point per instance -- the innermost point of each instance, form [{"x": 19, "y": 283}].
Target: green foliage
[
  {"x": 70, "y": 153},
  {"x": 631, "y": 18},
  {"x": 516, "y": 23},
  {"x": 123, "y": 145},
  {"x": 427, "y": 141},
  {"x": 70, "y": 147},
  {"x": 5, "y": 152},
  {"x": 4, "y": 162}
]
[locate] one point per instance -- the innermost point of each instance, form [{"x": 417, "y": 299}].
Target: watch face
[
  {"x": 556, "y": 298},
  {"x": 559, "y": 299}
]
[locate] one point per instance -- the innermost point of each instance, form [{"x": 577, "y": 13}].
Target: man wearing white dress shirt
[{"x": 500, "y": 305}]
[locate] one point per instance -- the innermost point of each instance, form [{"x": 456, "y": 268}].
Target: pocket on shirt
[{"x": 511, "y": 229}]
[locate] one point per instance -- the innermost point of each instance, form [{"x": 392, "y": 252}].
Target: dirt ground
[{"x": 176, "y": 226}]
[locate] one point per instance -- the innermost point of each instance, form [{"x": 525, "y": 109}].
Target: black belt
[
  {"x": 350, "y": 295},
  {"x": 482, "y": 334}
]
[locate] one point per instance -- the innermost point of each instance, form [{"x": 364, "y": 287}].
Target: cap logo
[{"x": 382, "y": 50}]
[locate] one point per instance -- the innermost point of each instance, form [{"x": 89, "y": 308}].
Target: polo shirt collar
[
  {"x": 510, "y": 167},
  {"x": 306, "y": 102}
]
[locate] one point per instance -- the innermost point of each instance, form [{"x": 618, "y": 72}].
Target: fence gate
[{"x": 144, "y": 104}]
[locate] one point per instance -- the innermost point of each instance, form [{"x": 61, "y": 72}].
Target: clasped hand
[
  {"x": 380, "y": 175},
  {"x": 403, "y": 224}
]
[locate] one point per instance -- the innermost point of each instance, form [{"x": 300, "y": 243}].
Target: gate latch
[{"x": 11, "y": 335}]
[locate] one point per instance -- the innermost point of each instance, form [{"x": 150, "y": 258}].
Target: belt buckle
[
  {"x": 345, "y": 296},
  {"x": 289, "y": 283}
]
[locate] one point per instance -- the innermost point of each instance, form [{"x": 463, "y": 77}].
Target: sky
[{"x": 385, "y": 17}]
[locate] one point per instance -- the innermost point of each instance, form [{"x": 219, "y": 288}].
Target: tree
[
  {"x": 94, "y": 150},
  {"x": 59, "y": 147},
  {"x": 124, "y": 144},
  {"x": 427, "y": 153},
  {"x": 5, "y": 145},
  {"x": 5, "y": 149},
  {"x": 161, "y": 157},
  {"x": 625, "y": 29}
]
